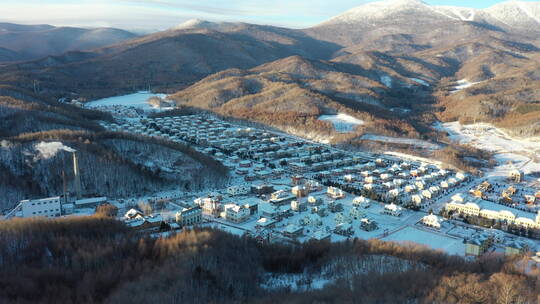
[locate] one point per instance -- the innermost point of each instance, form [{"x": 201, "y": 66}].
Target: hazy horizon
[{"x": 154, "y": 15}]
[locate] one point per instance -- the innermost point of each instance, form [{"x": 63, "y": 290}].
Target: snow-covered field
[
  {"x": 431, "y": 239},
  {"x": 510, "y": 153},
  {"x": 420, "y": 81},
  {"x": 386, "y": 80},
  {"x": 401, "y": 140},
  {"x": 343, "y": 123},
  {"x": 344, "y": 268},
  {"x": 462, "y": 84},
  {"x": 137, "y": 100}
]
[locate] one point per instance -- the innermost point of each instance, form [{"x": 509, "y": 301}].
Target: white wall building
[
  {"x": 48, "y": 207},
  {"x": 432, "y": 221},
  {"x": 238, "y": 190},
  {"x": 235, "y": 213}
]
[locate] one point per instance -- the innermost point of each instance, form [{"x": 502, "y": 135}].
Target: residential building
[
  {"x": 311, "y": 219},
  {"x": 478, "y": 245},
  {"x": 209, "y": 205},
  {"x": 262, "y": 189},
  {"x": 298, "y": 205},
  {"x": 393, "y": 209},
  {"x": 320, "y": 235},
  {"x": 367, "y": 224},
  {"x": 238, "y": 190},
  {"x": 314, "y": 201},
  {"x": 335, "y": 193},
  {"x": 516, "y": 176},
  {"x": 236, "y": 213},
  {"x": 361, "y": 201},
  {"x": 293, "y": 231},
  {"x": 299, "y": 191},
  {"x": 344, "y": 229},
  {"x": 515, "y": 248},
  {"x": 189, "y": 216},
  {"x": 264, "y": 223},
  {"x": 133, "y": 214},
  {"x": 432, "y": 221}
]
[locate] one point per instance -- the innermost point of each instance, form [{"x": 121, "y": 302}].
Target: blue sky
[{"x": 148, "y": 15}]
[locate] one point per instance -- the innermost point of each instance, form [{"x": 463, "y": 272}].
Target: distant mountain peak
[
  {"x": 509, "y": 14},
  {"x": 193, "y": 23},
  {"x": 378, "y": 10}
]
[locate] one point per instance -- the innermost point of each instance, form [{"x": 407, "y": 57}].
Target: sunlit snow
[
  {"x": 510, "y": 153},
  {"x": 343, "y": 123},
  {"x": 138, "y": 100},
  {"x": 462, "y": 84}
]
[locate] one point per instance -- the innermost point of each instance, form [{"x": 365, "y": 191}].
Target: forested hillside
[
  {"x": 111, "y": 164},
  {"x": 98, "y": 260}
]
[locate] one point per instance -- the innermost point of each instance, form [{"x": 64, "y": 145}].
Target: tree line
[{"x": 98, "y": 259}]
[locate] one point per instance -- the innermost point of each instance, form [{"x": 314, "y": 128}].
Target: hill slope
[{"x": 27, "y": 42}]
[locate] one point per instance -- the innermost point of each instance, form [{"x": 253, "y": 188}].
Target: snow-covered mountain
[{"x": 519, "y": 14}]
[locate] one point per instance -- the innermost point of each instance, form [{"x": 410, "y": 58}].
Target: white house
[
  {"x": 393, "y": 209},
  {"x": 189, "y": 216},
  {"x": 427, "y": 194},
  {"x": 133, "y": 214},
  {"x": 417, "y": 200},
  {"x": 320, "y": 235},
  {"x": 238, "y": 190},
  {"x": 342, "y": 218},
  {"x": 362, "y": 201},
  {"x": 335, "y": 193},
  {"x": 236, "y": 213},
  {"x": 432, "y": 221},
  {"x": 313, "y": 220},
  {"x": 356, "y": 213}
]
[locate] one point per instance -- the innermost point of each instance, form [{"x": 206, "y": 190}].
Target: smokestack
[
  {"x": 64, "y": 184},
  {"x": 76, "y": 174}
]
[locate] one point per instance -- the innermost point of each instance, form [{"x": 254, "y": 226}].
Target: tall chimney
[
  {"x": 64, "y": 184},
  {"x": 76, "y": 174}
]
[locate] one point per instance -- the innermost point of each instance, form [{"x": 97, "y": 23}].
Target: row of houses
[{"x": 506, "y": 216}]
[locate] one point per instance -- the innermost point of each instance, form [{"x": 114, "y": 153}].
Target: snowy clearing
[
  {"x": 341, "y": 268},
  {"x": 137, "y": 100},
  {"x": 401, "y": 140},
  {"x": 461, "y": 85},
  {"x": 510, "y": 153},
  {"x": 433, "y": 240},
  {"x": 420, "y": 81},
  {"x": 343, "y": 123},
  {"x": 386, "y": 80}
]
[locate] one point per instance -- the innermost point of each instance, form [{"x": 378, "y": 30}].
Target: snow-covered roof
[
  {"x": 263, "y": 222},
  {"x": 132, "y": 213},
  {"x": 292, "y": 228},
  {"x": 93, "y": 200},
  {"x": 320, "y": 235}
]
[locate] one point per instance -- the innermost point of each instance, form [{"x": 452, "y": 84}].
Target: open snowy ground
[
  {"x": 462, "y": 84},
  {"x": 138, "y": 100},
  {"x": 402, "y": 140},
  {"x": 420, "y": 81},
  {"x": 343, "y": 123},
  {"x": 433, "y": 240},
  {"x": 510, "y": 153}
]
